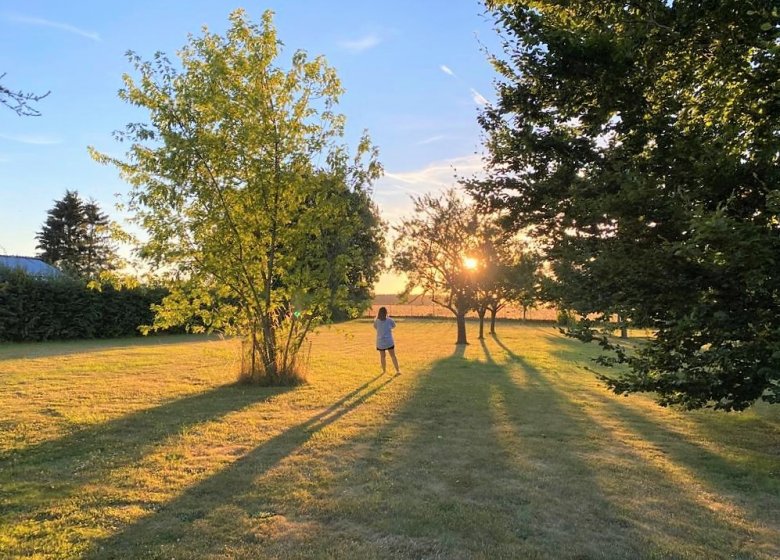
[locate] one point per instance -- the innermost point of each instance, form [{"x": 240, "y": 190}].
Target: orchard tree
[
  {"x": 77, "y": 238},
  {"x": 524, "y": 279},
  {"x": 437, "y": 250},
  {"x": 248, "y": 196},
  {"x": 640, "y": 142},
  {"x": 494, "y": 250}
]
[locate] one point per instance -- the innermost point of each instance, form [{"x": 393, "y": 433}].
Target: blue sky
[{"x": 414, "y": 73}]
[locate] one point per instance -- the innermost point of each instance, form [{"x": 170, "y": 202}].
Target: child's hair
[{"x": 382, "y": 314}]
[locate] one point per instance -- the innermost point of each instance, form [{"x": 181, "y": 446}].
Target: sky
[{"x": 416, "y": 74}]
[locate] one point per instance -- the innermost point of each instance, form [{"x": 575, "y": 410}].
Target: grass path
[{"x": 504, "y": 449}]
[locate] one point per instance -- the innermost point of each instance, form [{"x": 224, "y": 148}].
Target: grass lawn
[{"x": 146, "y": 448}]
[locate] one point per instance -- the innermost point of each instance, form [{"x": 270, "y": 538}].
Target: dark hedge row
[{"x": 34, "y": 309}]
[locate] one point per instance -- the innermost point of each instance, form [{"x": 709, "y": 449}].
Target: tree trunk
[
  {"x": 461, "y": 320},
  {"x": 623, "y": 327},
  {"x": 481, "y": 312},
  {"x": 253, "y": 350},
  {"x": 493, "y": 313},
  {"x": 269, "y": 346}
]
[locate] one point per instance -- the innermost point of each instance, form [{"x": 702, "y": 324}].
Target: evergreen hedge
[{"x": 37, "y": 309}]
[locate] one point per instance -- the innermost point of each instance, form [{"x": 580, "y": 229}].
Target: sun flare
[{"x": 470, "y": 263}]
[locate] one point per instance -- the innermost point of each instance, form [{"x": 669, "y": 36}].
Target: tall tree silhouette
[{"x": 76, "y": 238}]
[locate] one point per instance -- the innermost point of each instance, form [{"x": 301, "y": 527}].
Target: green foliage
[
  {"x": 37, "y": 309},
  {"x": 76, "y": 238},
  {"x": 509, "y": 271},
  {"x": 431, "y": 248},
  {"x": 260, "y": 217},
  {"x": 640, "y": 143}
]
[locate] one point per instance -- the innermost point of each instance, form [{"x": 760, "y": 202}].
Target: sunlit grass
[{"x": 505, "y": 449}]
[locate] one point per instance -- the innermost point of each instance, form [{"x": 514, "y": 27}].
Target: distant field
[
  {"x": 422, "y": 306},
  {"x": 146, "y": 448}
]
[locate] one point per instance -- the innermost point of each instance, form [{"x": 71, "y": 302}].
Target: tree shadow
[
  {"x": 465, "y": 469},
  {"x": 743, "y": 499},
  {"x": 168, "y": 531},
  {"x": 729, "y": 474},
  {"x": 50, "y": 471},
  {"x": 750, "y": 493},
  {"x": 683, "y": 517}
]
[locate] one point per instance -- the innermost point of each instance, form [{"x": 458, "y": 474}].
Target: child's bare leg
[
  {"x": 395, "y": 360},
  {"x": 382, "y": 359}
]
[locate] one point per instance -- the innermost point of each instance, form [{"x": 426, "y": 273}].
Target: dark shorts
[{"x": 383, "y": 349}]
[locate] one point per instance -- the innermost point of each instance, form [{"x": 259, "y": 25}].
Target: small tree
[
  {"x": 492, "y": 255},
  {"x": 435, "y": 248},
  {"x": 523, "y": 280},
  {"x": 248, "y": 198},
  {"x": 76, "y": 238}
]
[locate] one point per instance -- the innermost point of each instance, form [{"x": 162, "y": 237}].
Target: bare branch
[{"x": 19, "y": 101}]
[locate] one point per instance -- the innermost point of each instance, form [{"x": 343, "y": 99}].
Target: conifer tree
[{"x": 76, "y": 238}]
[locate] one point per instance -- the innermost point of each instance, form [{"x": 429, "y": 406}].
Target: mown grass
[{"x": 504, "y": 449}]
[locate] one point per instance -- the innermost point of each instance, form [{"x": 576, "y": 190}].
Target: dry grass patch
[{"x": 505, "y": 449}]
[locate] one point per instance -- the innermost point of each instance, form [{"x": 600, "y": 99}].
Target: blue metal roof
[{"x": 32, "y": 266}]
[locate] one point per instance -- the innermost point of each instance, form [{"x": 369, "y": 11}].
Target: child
[{"x": 384, "y": 326}]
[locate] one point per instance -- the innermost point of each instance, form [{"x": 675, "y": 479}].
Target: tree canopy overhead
[
  {"x": 246, "y": 192},
  {"x": 640, "y": 141}
]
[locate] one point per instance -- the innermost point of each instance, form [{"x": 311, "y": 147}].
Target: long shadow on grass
[
  {"x": 50, "y": 471},
  {"x": 748, "y": 492},
  {"x": 167, "y": 532},
  {"x": 747, "y": 470},
  {"x": 668, "y": 520},
  {"x": 467, "y": 468},
  {"x": 762, "y": 436}
]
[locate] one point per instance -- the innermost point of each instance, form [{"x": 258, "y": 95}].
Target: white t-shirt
[{"x": 384, "y": 333}]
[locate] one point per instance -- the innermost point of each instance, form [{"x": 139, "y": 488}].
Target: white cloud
[
  {"x": 361, "y": 44},
  {"x": 55, "y": 25},
  {"x": 392, "y": 192},
  {"x": 431, "y": 140},
  {"x": 38, "y": 140},
  {"x": 446, "y": 69},
  {"x": 478, "y": 98},
  {"x": 439, "y": 173}
]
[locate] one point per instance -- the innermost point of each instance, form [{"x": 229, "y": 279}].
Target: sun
[{"x": 470, "y": 263}]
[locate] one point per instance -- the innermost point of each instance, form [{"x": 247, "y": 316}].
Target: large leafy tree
[
  {"x": 77, "y": 238},
  {"x": 640, "y": 141},
  {"x": 248, "y": 197},
  {"x": 434, "y": 248}
]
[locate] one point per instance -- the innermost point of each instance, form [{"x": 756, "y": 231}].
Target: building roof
[{"x": 32, "y": 266}]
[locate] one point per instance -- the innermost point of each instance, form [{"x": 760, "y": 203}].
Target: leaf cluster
[{"x": 640, "y": 141}]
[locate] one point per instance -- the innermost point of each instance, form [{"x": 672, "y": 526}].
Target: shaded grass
[{"x": 507, "y": 448}]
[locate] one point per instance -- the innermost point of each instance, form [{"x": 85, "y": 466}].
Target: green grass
[{"x": 505, "y": 449}]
